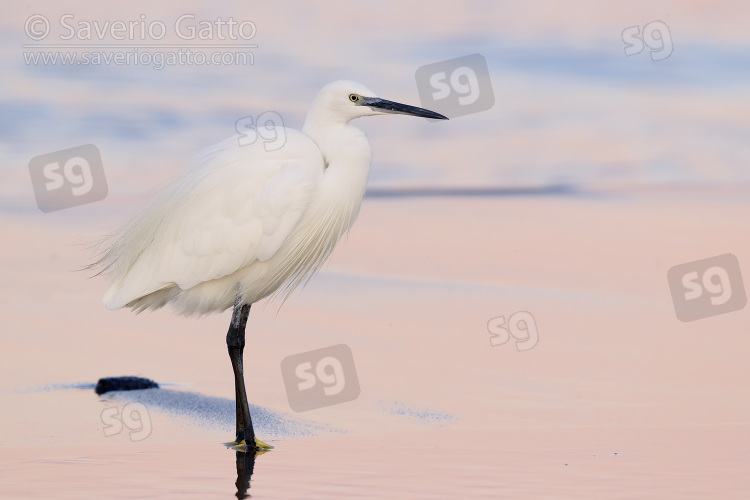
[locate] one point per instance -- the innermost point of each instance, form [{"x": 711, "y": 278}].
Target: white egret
[{"x": 245, "y": 223}]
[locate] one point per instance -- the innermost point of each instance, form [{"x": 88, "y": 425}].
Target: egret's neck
[
  {"x": 345, "y": 147},
  {"x": 347, "y": 154}
]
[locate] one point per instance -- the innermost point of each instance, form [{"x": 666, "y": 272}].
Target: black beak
[{"x": 398, "y": 108}]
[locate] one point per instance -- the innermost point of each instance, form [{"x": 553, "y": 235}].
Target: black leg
[
  {"x": 238, "y": 403},
  {"x": 236, "y": 346}
]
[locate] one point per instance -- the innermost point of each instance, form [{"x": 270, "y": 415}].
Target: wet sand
[{"x": 618, "y": 399}]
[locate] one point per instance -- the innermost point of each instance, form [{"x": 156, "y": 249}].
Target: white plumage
[{"x": 245, "y": 222}]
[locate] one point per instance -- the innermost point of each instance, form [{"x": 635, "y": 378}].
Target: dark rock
[{"x": 124, "y": 384}]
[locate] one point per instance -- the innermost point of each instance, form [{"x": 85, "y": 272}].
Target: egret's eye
[{"x": 353, "y": 97}]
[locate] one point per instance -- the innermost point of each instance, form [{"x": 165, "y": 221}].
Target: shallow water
[
  {"x": 617, "y": 399},
  {"x": 595, "y": 462}
]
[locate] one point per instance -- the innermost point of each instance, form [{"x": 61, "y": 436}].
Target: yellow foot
[{"x": 259, "y": 447}]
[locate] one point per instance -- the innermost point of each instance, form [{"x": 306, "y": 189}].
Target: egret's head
[{"x": 347, "y": 100}]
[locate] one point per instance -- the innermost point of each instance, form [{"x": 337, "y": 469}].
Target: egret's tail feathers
[
  {"x": 205, "y": 298},
  {"x": 117, "y": 297},
  {"x": 121, "y": 295},
  {"x": 109, "y": 299}
]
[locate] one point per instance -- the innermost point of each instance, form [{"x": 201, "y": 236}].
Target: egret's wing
[{"x": 238, "y": 205}]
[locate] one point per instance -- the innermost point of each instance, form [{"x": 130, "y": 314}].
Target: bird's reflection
[{"x": 245, "y": 468}]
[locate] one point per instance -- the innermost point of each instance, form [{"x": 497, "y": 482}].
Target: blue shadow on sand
[
  {"x": 206, "y": 412},
  {"x": 217, "y": 413}
]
